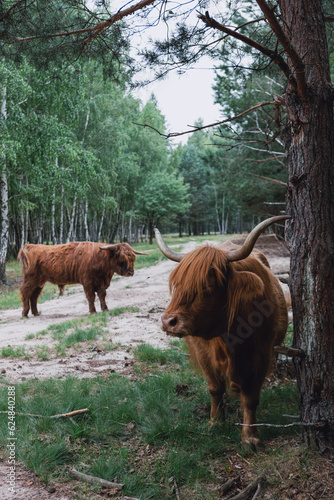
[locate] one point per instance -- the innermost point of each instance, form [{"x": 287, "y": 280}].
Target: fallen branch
[
  {"x": 227, "y": 485},
  {"x": 177, "y": 493},
  {"x": 293, "y": 424},
  {"x": 71, "y": 413},
  {"x": 95, "y": 480},
  {"x": 253, "y": 486},
  {"x": 259, "y": 487},
  {"x": 61, "y": 415},
  {"x": 289, "y": 351}
]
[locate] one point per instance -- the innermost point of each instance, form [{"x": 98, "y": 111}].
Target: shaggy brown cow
[
  {"x": 90, "y": 264},
  {"x": 231, "y": 310}
]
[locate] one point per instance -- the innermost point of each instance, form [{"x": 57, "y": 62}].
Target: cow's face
[
  {"x": 125, "y": 260},
  {"x": 198, "y": 287}
]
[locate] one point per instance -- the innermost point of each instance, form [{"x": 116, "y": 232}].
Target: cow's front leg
[
  {"x": 90, "y": 294},
  {"x": 217, "y": 391},
  {"x": 102, "y": 296},
  {"x": 249, "y": 404}
]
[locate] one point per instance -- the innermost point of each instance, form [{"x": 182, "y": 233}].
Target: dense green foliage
[
  {"x": 78, "y": 165},
  {"x": 75, "y": 160}
]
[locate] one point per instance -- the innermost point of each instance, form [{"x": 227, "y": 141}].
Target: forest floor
[{"x": 147, "y": 293}]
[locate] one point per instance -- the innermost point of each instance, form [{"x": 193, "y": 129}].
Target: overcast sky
[{"x": 183, "y": 99}]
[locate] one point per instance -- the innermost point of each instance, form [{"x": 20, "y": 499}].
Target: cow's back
[{"x": 61, "y": 264}]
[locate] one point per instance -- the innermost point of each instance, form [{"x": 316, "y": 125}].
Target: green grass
[
  {"x": 42, "y": 352},
  {"x": 142, "y": 431},
  {"x": 14, "y": 352},
  {"x": 11, "y": 298},
  {"x": 69, "y": 334}
]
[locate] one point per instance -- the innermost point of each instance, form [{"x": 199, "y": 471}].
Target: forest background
[{"x": 79, "y": 164}]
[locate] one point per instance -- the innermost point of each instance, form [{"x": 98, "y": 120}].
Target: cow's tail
[{"x": 23, "y": 257}]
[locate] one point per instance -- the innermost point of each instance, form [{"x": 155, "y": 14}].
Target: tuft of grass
[
  {"x": 44, "y": 458},
  {"x": 29, "y": 336},
  {"x": 13, "y": 352},
  {"x": 43, "y": 352},
  {"x": 121, "y": 310},
  {"x": 80, "y": 335},
  {"x": 150, "y": 354}
]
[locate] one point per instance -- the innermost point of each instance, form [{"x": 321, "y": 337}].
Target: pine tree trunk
[{"x": 309, "y": 141}]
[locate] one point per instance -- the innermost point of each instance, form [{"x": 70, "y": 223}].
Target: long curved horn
[
  {"x": 247, "y": 247},
  {"x": 113, "y": 247},
  {"x": 170, "y": 254},
  {"x": 108, "y": 247},
  {"x": 139, "y": 253}
]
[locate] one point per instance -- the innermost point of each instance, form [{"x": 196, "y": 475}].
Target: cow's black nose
[{"x": 169, "y": 321}]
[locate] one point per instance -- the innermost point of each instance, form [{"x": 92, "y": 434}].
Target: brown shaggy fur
[
  {"x": 76, "y": 262},
  {"x": 231, "y": 315}
]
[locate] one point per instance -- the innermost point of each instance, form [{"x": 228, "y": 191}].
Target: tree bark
[{"x": 309, "y": 142}]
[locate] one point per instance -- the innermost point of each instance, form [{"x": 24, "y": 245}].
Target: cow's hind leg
[
  {"x": 102, "y": 296},
  {"x": 90, "y": 294},
  {"x": 33, "y": 300},
  {"x": 25, "y": 297}
]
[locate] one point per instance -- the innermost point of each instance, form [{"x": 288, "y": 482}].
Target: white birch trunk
[
  {"x": 86, "y": 221},
  {"x": 100, "y": 227},
  {"x": 53, "y": 214},
  {"x": 4, "y": 199},
  {"x": 23, "y": 219},
  {"x": 72, "y": 219},
  {"x": 61, "y": 222},
  {"x": 40, "y": 230}
]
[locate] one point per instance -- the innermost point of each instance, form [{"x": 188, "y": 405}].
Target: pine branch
[
  {"x": 274, "y": 56},
  {"x": 197, "y": 129},
  {"x": 286, "y": 44},
  {"x": 10, "y": 9},
  {"x": 98, "y": 28}
]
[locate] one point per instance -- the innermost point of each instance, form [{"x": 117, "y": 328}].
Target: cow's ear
[{"x": 243, "y": 288}]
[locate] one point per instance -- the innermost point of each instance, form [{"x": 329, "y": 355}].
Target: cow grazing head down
[
  {"x": 90, "y": 264},
  {"x": 231, "y": 310}
]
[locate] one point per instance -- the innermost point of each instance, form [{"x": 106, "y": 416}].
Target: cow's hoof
[
  {"x": 251, "y": 444},
  {"x": 216, "y": 422}
]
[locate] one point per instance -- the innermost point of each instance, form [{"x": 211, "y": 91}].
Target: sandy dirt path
[{"x": 147, "y": 290}]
